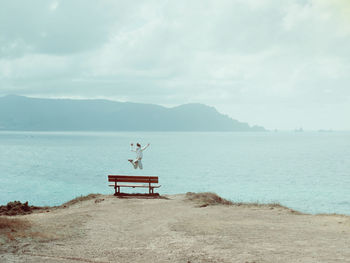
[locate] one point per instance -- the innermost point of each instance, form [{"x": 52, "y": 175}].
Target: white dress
[{"x": 138, "y": 161}]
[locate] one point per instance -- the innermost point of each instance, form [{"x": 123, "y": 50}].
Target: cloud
[
  {"x": 57, "y": 27},
  {"x": 244, "y": 57}
]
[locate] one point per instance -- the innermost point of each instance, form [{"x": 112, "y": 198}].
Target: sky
[{"x": 278, "y": 64}]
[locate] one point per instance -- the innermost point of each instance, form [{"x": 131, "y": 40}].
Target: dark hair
[{"x": 139, "y": 145}]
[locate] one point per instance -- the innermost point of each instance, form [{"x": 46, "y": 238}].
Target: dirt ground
[{"x": 178, "y": 228}]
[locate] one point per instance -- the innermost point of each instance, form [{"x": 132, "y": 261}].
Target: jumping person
[{"x": 137, "y": 162}]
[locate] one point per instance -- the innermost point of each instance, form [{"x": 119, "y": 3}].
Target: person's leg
[
  {"x": 134, "y": 163},
  {"x": 140, "y": 165}
]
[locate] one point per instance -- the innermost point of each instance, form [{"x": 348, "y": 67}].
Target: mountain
[{"x": 34, "y": 114}]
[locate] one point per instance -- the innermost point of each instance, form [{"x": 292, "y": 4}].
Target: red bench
[{"x": 137, "y": 180}]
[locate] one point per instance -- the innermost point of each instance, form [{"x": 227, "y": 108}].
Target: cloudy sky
[{"x": 280, "y": 64}]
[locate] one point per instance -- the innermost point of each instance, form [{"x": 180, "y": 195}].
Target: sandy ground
[{"x": 109, "y": 229}]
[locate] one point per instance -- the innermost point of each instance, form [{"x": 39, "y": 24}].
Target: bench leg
[{"x": 116, "y": 189}]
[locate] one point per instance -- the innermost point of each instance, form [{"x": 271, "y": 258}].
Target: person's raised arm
[{"x": 145, "y": 147}]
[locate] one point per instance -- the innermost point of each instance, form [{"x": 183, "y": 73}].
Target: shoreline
[{"x": 90, "y": 196}]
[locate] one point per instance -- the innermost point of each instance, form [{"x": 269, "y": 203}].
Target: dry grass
[
  {"x": 15, "y": 229},
  {"x": 17, "y": 208},
  {"x": 206, "y": 199},
  {"x": 13, "y": 224},
  {"x": 11, "y": 228},
  {"x": 257, "y": 204},
  {"x": 81, "y": 199},
  {"x": 270, "y": 206}
]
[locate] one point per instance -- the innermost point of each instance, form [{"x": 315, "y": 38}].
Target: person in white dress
[{"x": 137, "y": 163}]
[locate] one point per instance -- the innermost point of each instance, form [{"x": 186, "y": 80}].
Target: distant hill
[{"x": 34, "y": 114}]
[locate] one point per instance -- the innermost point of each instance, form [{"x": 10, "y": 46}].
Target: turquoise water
[{"x": 306, "y": 171}]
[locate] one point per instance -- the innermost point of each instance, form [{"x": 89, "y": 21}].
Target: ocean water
[{"x": 306, "y": 171}]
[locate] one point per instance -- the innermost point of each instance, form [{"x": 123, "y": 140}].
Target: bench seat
[
  {"x": 133, "y": 186},
  {"x": 117, "y": 179}
]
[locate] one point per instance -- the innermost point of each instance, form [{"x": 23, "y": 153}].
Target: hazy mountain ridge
[{"x": 35, "y": 114}]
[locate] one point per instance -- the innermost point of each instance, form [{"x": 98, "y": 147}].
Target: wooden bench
[{"x": 149, "y": 180}]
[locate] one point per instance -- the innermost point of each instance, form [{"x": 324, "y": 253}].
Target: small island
[{"x": 19, "y": 113}]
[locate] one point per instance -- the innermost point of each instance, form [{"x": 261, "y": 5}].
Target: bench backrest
[{"x": 133, "y": 179}]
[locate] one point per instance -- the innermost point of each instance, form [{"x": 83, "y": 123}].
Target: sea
[{"x": 306, "y": 171}]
